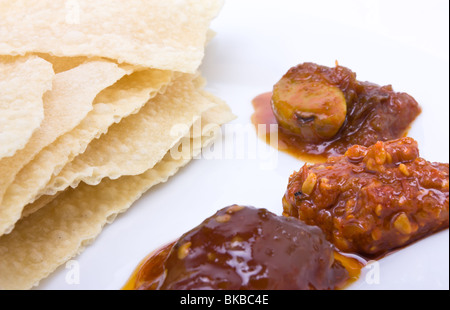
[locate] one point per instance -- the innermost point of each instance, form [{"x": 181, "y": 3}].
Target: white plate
[{"x": 403, "y": 43}]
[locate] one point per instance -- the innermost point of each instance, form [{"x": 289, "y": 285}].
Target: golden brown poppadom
[
  {"x": 70, "y": 100},
  {"x": 53, "y": 235},
  {"x": 114, "y": 103},
  {"x": 138, "y": 142},
  {"x": 219, "y": 113},
  {"x": 23, "y": 82},
  {"x": 168, "y": 35},
  {"x": 38, "y": 205}
]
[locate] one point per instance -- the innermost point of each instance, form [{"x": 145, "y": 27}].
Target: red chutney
[
  {"x": 373, "y": 113},
  {"x": 373, "y": 200},
  {"x": 243, "y": 248}
]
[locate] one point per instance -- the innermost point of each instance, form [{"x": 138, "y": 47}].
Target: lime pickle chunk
[
  {"x": 373, "y": 200},
  {"x": 315, "y": 111},
  {"x": 245, "y": 248},
  {"x": 325, "y": 111}
]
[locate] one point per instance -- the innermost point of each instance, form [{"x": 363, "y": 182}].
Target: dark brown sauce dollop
[{"x": 243, "y": 248}]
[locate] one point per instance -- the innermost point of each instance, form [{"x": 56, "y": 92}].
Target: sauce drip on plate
[{"x": 286, "y": 142}]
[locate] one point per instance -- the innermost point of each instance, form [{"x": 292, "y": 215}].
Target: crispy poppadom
[
  {"x": 138, "y": 142},
  {"x": 167, "y": 35},
  {"x": 124, "y": 98},
  {"x": 70, "y": 100},
  {"x": 23, "y": 82}
]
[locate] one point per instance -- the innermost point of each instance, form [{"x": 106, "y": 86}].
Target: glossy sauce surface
[
  {"x": 374, "y": 113},
  {"x": 243, "y": 248}
]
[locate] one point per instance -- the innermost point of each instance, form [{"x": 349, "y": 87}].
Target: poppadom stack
[{"x": 90, "y": 92}]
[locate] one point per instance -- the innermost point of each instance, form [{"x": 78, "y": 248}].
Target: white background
[{"x": 400, "y": 42}]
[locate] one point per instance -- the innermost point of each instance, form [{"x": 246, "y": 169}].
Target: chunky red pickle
[
  {"x": 243, "y": 248},
  {"x": 323, "y": 111},
  {"x": 373, "y": 200}
]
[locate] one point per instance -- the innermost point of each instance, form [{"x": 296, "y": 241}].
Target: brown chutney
[
  {"x": 244, "y": 248},
  {"x": 322, "y": 111},
  {"x": 373, "y": 200}
]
